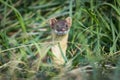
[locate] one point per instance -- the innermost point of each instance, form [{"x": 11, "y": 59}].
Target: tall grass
[{"x": 94, "y": 38}]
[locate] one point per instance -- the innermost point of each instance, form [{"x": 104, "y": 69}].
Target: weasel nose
[{"x": 63, "y": 29}]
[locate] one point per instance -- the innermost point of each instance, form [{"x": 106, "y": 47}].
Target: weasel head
[{"x": 60, "y": 27}]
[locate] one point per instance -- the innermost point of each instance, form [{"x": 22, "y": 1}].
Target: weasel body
[{"x": 60, "y": 30}]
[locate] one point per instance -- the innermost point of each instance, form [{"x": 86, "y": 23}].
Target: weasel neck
[{"x": 59, "y": 41}]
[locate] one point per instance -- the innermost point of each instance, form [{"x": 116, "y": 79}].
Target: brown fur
[{"x": 59, "y": 49}]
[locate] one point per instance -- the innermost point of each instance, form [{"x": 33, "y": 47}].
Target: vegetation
[{"x": 94, "y": 39}]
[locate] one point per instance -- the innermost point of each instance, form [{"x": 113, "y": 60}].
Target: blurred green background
[{"x": 94, "y": 38}]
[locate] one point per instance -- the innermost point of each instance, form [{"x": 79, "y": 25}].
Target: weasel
[
  {"x": 60, "y": 30},
  {"x": 58, "y": 43}
]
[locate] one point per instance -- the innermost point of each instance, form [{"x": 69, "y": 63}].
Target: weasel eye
[{"x": 66, "y": 26}]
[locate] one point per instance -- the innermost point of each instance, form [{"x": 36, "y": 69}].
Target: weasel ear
[
  {"x": 69, "y": 21},
  {"x": 52, "y": 22}
]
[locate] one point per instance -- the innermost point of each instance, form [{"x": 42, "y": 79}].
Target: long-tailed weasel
[{"x": 60, "y": 30}]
